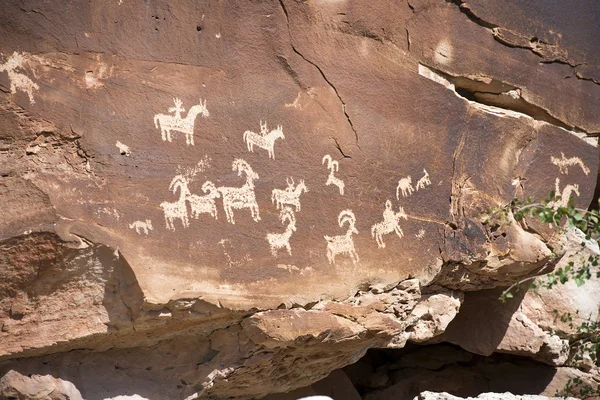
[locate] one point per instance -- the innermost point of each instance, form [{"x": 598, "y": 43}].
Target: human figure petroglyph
[
  {"x": 565, "y": 195},
  {"x": 343, "y": 244},
  {"x": 178, "y": 209},
  {"x": 280, "y": 240},
  {"x": 264, "y": 139},
  {"x": 563, "y": 163},
  {"x": 242, "y": 197},
  {"x": 168, "y": 123},
  {"x": 389, "y": 224},
  {"x": 289, "y": 196},
  {"x": 424, "y": 181},
  {"x": 333, "y": 167},
  {"x": 404, "y": 185},
  {"x": 204, "y": 204},
  {"x": 141, "y": 226},
  {"x": 18, "y": 81}
]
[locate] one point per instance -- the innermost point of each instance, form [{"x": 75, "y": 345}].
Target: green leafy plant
[{"x": 585, "y": 342}]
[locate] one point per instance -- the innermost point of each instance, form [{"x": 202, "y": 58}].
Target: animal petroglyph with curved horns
[
  {"x": 280, "y": 240},
  {"x": 343, "y": 244},
  {"x": 290, "y": 196},
  {"x": 242, "y": 197},
  {"x": 389, "y": 224},
  {"x": 333, "y": 167},
  {"x": 264, "y": 139},
  {"x": 168, "y": 123},
  {"x": 565, "y": 194},
  {"x": 204, "y": 204},
  {"x": 424, "y": 181},
  {"x": 178, "y": 209}
]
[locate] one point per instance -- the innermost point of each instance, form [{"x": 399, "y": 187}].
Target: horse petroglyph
[
  {"x": 563, "y": 163},
  {"x": 424, "y": 181},
  {"x": 389, "y": 224},
  {"x": 242, "y": 197},
  {"x": 204, "y": 204},
  {"x": 404, "y": 185},
  {"x": 141, "y": 226},
  {"x": 343, "y": 244},
  {"x": 289, "y": 196},
  {"x": 280, "y": 240},
  {"x": 333, "y": 167},
  {"x": 18, "y": 81},
  {"x": 565, "y": 195},
  {"x": 177, "y": 209},
  {"x": 264, "y": 139},
  {"x": 168, "y": 123}
]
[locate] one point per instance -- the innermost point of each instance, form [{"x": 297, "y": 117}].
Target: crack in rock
[
  {"x": 550, "y": 53},
  {"x": 501, "y": 99},
  {"x": 321, "y": 72}
]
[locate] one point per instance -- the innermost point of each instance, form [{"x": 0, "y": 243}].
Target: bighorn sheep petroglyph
[
  {"x": 343, "y": 244},
  {"x": 280, "y": 240},
  {"x": 242, "y": 197},
  {"x": 204, "y": 204},
  {"x": 177, "y": 209},
  {"x": 333, "y": 167}
]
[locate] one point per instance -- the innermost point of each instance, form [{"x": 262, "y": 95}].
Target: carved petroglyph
[
  {"x": 178, "y": 209},
  {"x": 421, "y": 234},
  {"x": 242, "y": 197},
  {"x": 204, "y": 204},
  {"x": 563, "y": 163},
  {"x": 168, "y": 123},
  {"x": 343, "y": 244},
  {"x": 289, "y": 196},
  {"x": 18, "y": 80},
  {"x": 264, "y": 139},
  {"x": 141, "y": 226},
  {"x": 123, "y": 149},
  {"x": 280, "y": 240},
  {"x": 333, "y": 167},
  {"x": 424, "y": 181},
  {"x": 404, "y": 185},
  {"x": 389, "y": 224},
  {"x": 565, "y": 194}
]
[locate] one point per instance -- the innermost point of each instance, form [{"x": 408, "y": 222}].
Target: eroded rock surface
[{"x": 234, "y": 199}]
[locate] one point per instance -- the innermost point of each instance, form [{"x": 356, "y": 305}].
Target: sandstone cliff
[{"x": 231, "y": 199}]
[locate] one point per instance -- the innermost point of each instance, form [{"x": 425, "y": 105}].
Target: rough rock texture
[{"x": 231, "y": 199}]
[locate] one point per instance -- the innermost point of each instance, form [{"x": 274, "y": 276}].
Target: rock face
[{"x": 233, "y": 199}]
